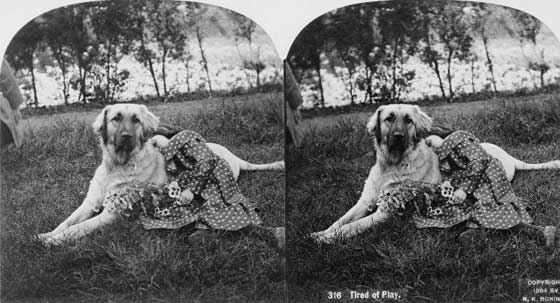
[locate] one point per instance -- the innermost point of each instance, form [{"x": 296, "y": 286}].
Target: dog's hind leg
[
  {"x": 238, "y": 164},
  {"x": 278, "y": 165},
  {"x": 510, "y": 163}
]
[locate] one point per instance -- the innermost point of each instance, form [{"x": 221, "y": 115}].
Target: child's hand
[
  {"x": 159, "y": 141},
  {"x": 186, "y": 196},
  {"x": 434, "y": 141},
  {"x": 459, "y": 196}
]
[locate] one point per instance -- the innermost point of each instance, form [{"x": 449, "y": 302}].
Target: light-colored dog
[
  {"x": 403, "y": 154},
  {"x": 129, "y": 153}
]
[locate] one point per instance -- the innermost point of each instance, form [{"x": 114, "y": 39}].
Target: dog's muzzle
[
  {"x": 125, "y": 143},
  {"x": 397, "y": 142}
]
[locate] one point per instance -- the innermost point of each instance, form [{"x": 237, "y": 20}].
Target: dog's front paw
[
  {"x": 322, "y": 237},
  {"x": 49, "y": 239}
]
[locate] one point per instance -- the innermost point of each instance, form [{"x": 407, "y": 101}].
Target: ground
[
  {"x": 325, "y": 178},
  {"x": 46, "y": 179}
]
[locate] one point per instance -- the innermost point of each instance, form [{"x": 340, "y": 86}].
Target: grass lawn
[
  {"x": 325, "y": 178},
  {"x": 47, "y": 178}
]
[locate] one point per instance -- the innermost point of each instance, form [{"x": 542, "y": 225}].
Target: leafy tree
[
  {"x": 111, "y": 23},
  {"x": 528, "y": 27},
  {"x": 481, "y": 18},
  {"x": 196, "y": 13},
  {"x": 159, "y": 27},
  {"x": 368, "y": 42},
  {"x": 82, "y": 43},
  {"x": 444, "y": 23},
  {"x": 305, "y": 52},
  {"x": 21, "y": 50},
  {"x": 400, "y": 35},
  {"x": 53, "y": 25},
  {"x": 244, "y": 28},
  {"x": 341, "y": 48}
]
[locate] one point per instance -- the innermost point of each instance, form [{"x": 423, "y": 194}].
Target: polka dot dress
[
  {"x": 217, "y": 203},
  {"x": 490, "y": 201}
]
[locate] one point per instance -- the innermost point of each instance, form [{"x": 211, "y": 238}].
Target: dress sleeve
[{"x": 476, "y": 165}]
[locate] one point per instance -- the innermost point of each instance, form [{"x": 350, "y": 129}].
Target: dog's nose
[
  {"x": 126, "y": 135},
  {"x": 398, "y": 136}
]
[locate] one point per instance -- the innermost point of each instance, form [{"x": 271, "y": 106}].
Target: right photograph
[{"x": 423, "y": 155}]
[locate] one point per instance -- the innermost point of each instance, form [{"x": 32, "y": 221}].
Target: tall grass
[
  {"x": 48, "y": 176},
  {"x": 325, "y": 178}
]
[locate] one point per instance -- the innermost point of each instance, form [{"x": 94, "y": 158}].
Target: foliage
[
  {"x": 410, "y": 50},
  {"x": 97, "y": 47}
]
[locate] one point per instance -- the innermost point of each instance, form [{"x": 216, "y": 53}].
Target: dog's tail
[
  {"x": 530, "y": 166},
  {"x": 278, "y": 165}
]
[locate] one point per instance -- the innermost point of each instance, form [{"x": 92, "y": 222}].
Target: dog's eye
[
  {"x": 117, "y": 117},
  {"x": 407, "y": 120},
  {"x": 135, "y": 119},
  {"x": 390, "y": 118}
]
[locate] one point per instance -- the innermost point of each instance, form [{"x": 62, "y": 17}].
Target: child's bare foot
[
  {"x": 280, "y": 235},
  {"x": 549, "y": 233}
]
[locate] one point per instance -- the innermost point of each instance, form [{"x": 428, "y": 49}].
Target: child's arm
[{"x": 476, "y": 165}]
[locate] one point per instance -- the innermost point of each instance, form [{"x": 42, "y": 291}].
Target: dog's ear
[
  {"x": 422, "y": 121},
  {"x": 149, "y": 121},
  {"x": 100, "y": 125},
  {"x": 374, "y": 124}
]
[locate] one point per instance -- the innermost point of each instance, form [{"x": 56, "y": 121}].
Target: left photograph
[{"x": 142, "y": 156}]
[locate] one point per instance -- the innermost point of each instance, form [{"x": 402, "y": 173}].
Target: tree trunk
[
  {"x": 165, "y": 93},
  {"x": 258, "y": 70},
  {"x": 247, "y": 75},
  {"x": 368, "y": 96},
  {"x": 33, "y": 85},
  {"x": 318, "y": 69},
  {"x": 449, "y": 77},
  {"x": 64, "y": 85},
  {"x": 60, "y": 60},
  {"x": 347, "y": 64},
  {"x": 204, "y": 61},
  {"x": 114, "y": 87},
  {"x": 490, "y": 64},
  {"x": 370, "y": 87},
  {"x": 394, "y": 70},
  {"x": 187, "y": 76},
  {"x": 83, "y": 86},
  {"x": 438, "y": 74},
  {"x": 153, "y": 73},
  {"x": 472, "y": 76},
  {"x": 108, "y": 73}
]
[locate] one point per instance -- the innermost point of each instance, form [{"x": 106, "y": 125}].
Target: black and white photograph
[
  {"x": 279, "y": 151},
  {"x": 142, "y": 156},
  {"x": 424, "y": 159}
]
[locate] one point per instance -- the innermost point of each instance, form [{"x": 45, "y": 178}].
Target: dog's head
[
  {"x": 123, "y": 129},
  {"x": 398, "y": 128}
]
